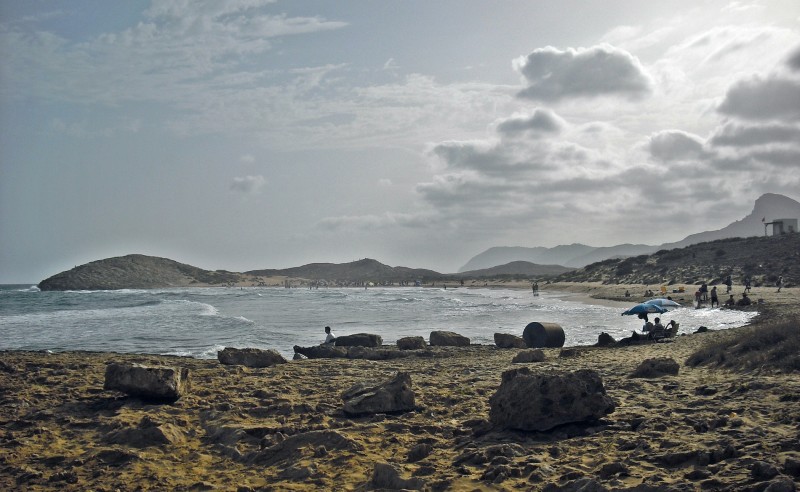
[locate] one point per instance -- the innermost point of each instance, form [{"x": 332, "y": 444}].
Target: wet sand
[{"x": 704, "y": 429}]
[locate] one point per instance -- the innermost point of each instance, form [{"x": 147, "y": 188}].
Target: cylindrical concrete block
[{"x": 538, "y": 335}]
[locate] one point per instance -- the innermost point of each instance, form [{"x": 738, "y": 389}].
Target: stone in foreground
[
  {"x": 448, "y": 339},
  {"x": 152, "y": 383},
  {"x": 359, "y": 340},
  {"x": 250, "y": 357},
  {"x": 507, "y": 340},
  {"x": 390, "y": 396},
  {"x": 540, "y": 402}
]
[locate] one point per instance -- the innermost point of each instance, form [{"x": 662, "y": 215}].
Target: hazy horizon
[{"x": 247, "y": 134}]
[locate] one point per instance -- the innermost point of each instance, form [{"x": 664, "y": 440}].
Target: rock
[
  {"x": 506, "y": 340},
  {"x": 411, "y": 343},
  {"x": 153, "y": 383},
  {"x": 781, "y": 484},
  {"x": 6, "y": 367},
  {"x": 605, "y": 340},
  {"x": 359, "y": 340},
  {"x": 294, "y": 448},
  {"x": 448, "y": 339},
  {"x": 321, "y": 352},
  {"x": 148, "y": 433},
  {"x": 792, "y": 467},
  {"x": 369, "y": 353},
  {"x": 566, "y": 353},
  {"x": 702, "y": 329},
  {"x": 390, "y": 396},
  {"x": 762, "y": 470},
  {"x": 386, "y": 477},
  {"x": 526, "y": 356},
  {"x": 418, "y": 452},
  {"x": 579, "y": 485},
  {"x": 539, "y": 402},
  {"x": 250, "y": 357},
  {"x": 654, "y": 368}
]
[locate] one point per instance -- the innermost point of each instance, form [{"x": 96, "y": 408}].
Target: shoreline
[{"x": 706, "y": 428}]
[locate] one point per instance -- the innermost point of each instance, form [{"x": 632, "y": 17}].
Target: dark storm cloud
[
  {"x": 772, "y": 98},
  {"x": 553, "y": 74}
]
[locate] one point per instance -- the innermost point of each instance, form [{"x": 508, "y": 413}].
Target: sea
[{"x": 198, "y": 322}]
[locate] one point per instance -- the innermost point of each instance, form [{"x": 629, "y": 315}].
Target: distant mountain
[
  {"x": 366, "y": 269},
  {"x": 524, "y": 268},
  {"x": 149, "y": 272},
  {"x": 134, "y": 272},
  {"x": 769, "y": 206}
]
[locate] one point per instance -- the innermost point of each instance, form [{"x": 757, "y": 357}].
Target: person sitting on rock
[
  {"x": 330, "y": 338},
  {"x": 730, "y": 302}
]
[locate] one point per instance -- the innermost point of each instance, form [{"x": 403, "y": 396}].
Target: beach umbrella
[
  {"x": 644, "y": 309},
  {"x": 664, "y": 303}
]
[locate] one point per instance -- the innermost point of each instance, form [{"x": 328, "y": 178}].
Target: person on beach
[
  {"x": 657, "y": 329},
  {"x": 744, "y": 301},
  {"x": 704, "y": 291},
  {"x": 672, "y": 329},
  {"x": 714, "y": 298},
  {"x": 730, "y": 302},
  {"x": 780, "y": 283},
  {"x": 747, "y": 284},
  {"x": 729, "y": 284},
  {"x": 330, "y": 338}
]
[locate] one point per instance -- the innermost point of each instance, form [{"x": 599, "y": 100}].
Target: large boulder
[
  {"x": 539, "y": 402},
  {"x": 394, "y": 395},
  {"x": 250, "y": 357},
  {"x": 507, "y": 340},
  {"x": 448, "y": 339},
  {"x": 359, "y": 340},
  {"x": 152, "y": 383},
  {"x": 543, "y": 335},
  {"x": 411, "y": 343},
  {"x": 321, "y": 352}
]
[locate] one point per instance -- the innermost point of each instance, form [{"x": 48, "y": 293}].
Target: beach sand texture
[{"x": 282, "y": 428}]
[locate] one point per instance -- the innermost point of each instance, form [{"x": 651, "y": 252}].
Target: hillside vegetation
[{"x": 763, "y": 259}]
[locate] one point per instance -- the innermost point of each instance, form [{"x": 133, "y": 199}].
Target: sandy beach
[{"x": 283, "y": 428}]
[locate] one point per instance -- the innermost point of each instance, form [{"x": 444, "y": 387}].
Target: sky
[{"x": 251, "y": 134}]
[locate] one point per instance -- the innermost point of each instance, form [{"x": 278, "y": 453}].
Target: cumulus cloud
[
  {"x": 775, "y": 97},
  {"x": 540, "y": 123},
  {"x": 675, "y": 145},
  {"x": 553, "y": 74},
  {"x": 738, "y": 135},
  {"x": 248, "y": 184}
]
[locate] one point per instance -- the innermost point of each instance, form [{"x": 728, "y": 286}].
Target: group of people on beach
[{"x": 657, "y": 331}]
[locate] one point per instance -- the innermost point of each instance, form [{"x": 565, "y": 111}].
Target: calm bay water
[{"x": 198, "y": 322}]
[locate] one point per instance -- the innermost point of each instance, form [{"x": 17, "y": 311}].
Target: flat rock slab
[
  {"x": 359, "y": 340},
  {"x": 152, "y": 383},
  {"x": 448, "y": 339},
  {"x": 539, "y": 402},
  {"x": 250, "y": 357}
]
